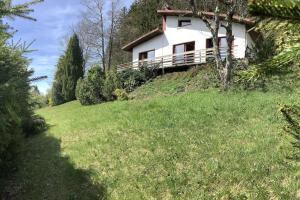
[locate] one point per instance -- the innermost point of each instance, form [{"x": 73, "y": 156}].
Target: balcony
[{"x": 188, "y": 58}]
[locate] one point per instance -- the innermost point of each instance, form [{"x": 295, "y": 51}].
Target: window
[
  {"x": 147, "y": 55},
  {"x": 180, "y": 51},
  {"x": 184, "y": 22},
  {"x": 222, "y": 45}
]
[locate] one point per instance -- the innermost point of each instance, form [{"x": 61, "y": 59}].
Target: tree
[
  {"x": 72, "y": 68},
  {"x": 92, "y": 31},
  {"x": 16, "y": 115},
  {"x": 230, "y": 8},
  {"x": 289, "y": 9},
  {"x": 69, "y": 69}
]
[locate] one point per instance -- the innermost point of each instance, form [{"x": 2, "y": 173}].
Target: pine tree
[
  {"x": 73, "y": 68},
  {"x": 69, "y": 69},
  {"x": 289, "y": 55},
  {"x": 16, "y": 115}
]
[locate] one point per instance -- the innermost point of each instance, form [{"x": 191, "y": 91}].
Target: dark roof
[
  {"x": 142, "y": 39},
  {"x": 236, "y": 18}
]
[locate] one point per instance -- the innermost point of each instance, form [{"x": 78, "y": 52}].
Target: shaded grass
[{"x": 195, "y": 145}]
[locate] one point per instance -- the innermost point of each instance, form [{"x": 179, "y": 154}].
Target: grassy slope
[{"x": 195, "y": 145}]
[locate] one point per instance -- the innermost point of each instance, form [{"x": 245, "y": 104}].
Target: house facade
[{"x": 184, "y": 39}]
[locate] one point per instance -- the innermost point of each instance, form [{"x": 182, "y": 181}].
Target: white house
[{"x": 186, "y": 40}]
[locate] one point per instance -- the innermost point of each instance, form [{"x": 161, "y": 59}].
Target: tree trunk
[
  {"x": 103, "y": 43},
  {"x": 227, "y": 70},
  {"x": 217, "y": 54},
  {"x": 111, "y": 35}
]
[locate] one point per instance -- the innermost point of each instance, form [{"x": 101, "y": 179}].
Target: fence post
[{"x": 163, "y": 68}]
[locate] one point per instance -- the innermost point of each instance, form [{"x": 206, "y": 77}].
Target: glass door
[{"x": 179, "y": 51}]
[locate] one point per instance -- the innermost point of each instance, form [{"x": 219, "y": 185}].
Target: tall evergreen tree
[
  {"x": 73, "y": 68},
  {"x": 16, "y": 115},
  {"x": 69, "y": 69}
]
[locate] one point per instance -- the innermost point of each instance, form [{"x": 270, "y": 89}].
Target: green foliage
[
  {"x": 111, "y": 83},
  {"x": 276, "y": 8},
  {"x": 16, "y": 115},
  {"x": 286, "y": 57},
  {"x": 200, "y": 78},
  {"x": 121, "y": 95},
  {"x": 131, "y": 79},
  {"x": 37, "y": 100},
  {"x": 90, "y": 89},
  {"x": 69, "y": 70},
  {"x": 292, "y": 117},
  {"x": 14, "y": 96},
  {"x": 265, "y": 48},
  {"x": 56, "y": 94}
]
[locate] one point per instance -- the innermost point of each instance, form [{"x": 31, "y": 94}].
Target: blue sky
[{"x": 54, "y": 21}]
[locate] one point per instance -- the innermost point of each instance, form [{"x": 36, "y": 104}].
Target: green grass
[{"x": 193, "y": 145}]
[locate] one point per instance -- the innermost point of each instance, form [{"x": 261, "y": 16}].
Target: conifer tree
[
  {"x": 69, "y": 69},
  {"x": 72, "y": 68},
  {"x": 16, "y": 115}
]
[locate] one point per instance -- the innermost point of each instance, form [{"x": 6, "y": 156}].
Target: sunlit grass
[{"x": 195, "y": 145}]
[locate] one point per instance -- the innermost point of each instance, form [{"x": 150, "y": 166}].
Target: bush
[
  {"x": 35, "y": 125},
  {"x": 131, "y": 79},
  {"x": 90, "y": 89},
  {"x": 149, "y": 72},
  {"x": 111, "y": 83},
  {"x": 121, "y": 95}
]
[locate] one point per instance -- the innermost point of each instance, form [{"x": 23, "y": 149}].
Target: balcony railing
[{"x": 176, "y": 60}]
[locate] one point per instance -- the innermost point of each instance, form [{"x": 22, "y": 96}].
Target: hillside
[{"x": 170, "y": 142}]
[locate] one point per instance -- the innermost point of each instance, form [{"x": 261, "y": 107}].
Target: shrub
[
  {"x": 35, "y": 125},
  {"x": 148, "y": 71},
  {"x": 111, "y": 83},
  {"x": 121, "y": 94},
  {"x": 131, "y": 79},
  {"x": 90, "y": 89}
]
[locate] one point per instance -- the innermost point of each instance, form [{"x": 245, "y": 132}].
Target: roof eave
[
  {"x": 236, "y": 19},
  {"x": 129, "y": 47}
]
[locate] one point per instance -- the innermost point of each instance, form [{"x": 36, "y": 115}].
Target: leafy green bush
[
  {"x": 131, "y": 78},
  {"x": 121, "y": 95},
  {"x": 148, "y": 71},
  {"x": 111, "y": 83},
  {"x": 90, "y": 89}
]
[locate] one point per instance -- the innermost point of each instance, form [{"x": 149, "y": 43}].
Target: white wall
[{"x": 198, "y": 32}]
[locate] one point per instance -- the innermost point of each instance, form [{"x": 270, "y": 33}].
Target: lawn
[{"x": 188, "y": 145}]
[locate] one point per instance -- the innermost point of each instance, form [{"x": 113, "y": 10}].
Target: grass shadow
[{"x": 44, "y": 173}]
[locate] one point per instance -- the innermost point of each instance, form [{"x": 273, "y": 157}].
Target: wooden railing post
[{"x": 163, "y": 67}]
